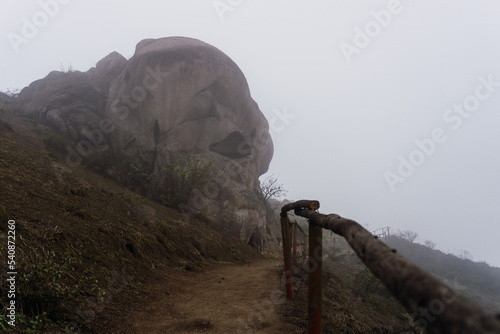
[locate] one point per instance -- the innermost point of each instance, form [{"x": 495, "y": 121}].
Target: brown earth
[
  {"x": 96, "y": 257},
  {"x": 243, "y": 298}
]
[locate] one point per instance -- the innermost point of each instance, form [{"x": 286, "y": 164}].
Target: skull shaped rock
[{"x": 182, "y": 95}]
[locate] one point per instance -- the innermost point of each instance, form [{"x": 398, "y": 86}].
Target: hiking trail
[{"x": 228, "y": 298}]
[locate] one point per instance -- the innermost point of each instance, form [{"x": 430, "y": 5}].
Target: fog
[{"x": 387, "y": 112}]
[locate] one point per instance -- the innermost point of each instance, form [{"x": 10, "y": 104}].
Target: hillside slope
[
  {"x": 91, "y": 255},
  {"x": 83, "y": 240},
  {"x": 479, "y": 282}
]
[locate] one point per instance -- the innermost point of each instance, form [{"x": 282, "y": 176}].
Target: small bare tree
[
  {"x": 408, "y": 235},
  {"x": 271, "y": 188},
  {"x": 430, "y": 244},
  {"x": 464, "y": 255},
  {"x": 12, "y": 92},
  {"x": 66, "y": 69}
]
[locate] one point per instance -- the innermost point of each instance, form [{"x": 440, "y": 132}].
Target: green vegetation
[
  {"x": 221, "y": 262},
  {"x": 180, "y": 177},
  {"x": 173, "y": 185},
  {"x": 236, "y": 253},
  {"x": 135, "y": 172}
]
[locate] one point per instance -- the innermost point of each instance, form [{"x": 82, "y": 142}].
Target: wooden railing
[
  {"x": 382, "y": 232},
  {"x": 437, "y": 308}
]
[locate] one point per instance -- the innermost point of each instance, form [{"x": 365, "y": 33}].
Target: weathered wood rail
[
  {"x": 433, "y": 305},
  {"x": 382, "y": 232}
]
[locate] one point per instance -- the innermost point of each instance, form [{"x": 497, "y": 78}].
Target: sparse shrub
[
  {"x": 66, "y": 69},
  {"x": 408, "y": 235},
  {"x": 181, "y": 176},
  {"x": 464, "y": 255},
  {"x": 135, "y": 172},
  {"x": 430, "y": 244},
  {"x": 47, "y": 287},
  {"x": 175, "y": 182}
]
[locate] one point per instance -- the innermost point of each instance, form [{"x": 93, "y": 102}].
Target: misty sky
[{"x": 387, "y": 112}]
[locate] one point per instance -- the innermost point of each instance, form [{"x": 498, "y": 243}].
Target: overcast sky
[{"x": 387, "y": 112}]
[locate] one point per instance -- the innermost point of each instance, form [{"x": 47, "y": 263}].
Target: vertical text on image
[{"x": 11, "y": 272}]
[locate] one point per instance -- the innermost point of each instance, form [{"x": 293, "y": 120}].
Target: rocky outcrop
[
  {"x": 66, "y": 101},
  {"x": 174, "y": 95},
  {"x": 106, "y": 70},
  {"x": 5, "y": 101},
  {"x": 72, "y": 102}
]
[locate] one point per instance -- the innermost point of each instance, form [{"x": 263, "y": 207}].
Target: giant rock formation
[{"x": 175, "y": 94}]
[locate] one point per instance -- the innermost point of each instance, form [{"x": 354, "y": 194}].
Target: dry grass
[
  {"x": 77, "y": 231},
  {"x": 354, "y": 301}
]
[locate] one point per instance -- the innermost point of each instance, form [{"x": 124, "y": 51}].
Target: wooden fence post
[
  {"x": 417, "y": 290},
  {"x": 294, "y": 242},
  {"x": 315, "y": 273},
  {"x": 286, "y": 236},
  {"x": 305, "y": 248}
]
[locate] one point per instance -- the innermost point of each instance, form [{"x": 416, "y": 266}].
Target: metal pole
[
  {"x": 315, "y": 273},
  {"x": 285, "y": 232}
]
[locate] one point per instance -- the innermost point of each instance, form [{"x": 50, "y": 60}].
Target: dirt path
[{"x": 225, "y": 299}]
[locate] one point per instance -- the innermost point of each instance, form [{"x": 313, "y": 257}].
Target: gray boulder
[
  {"x": 174, "y": 95},
  {"x": 73, "y": 102},
  {"x": 199, "y": 101},
  {"x": 106, "y": 70},
  {"x": 66, "y": 101}
]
